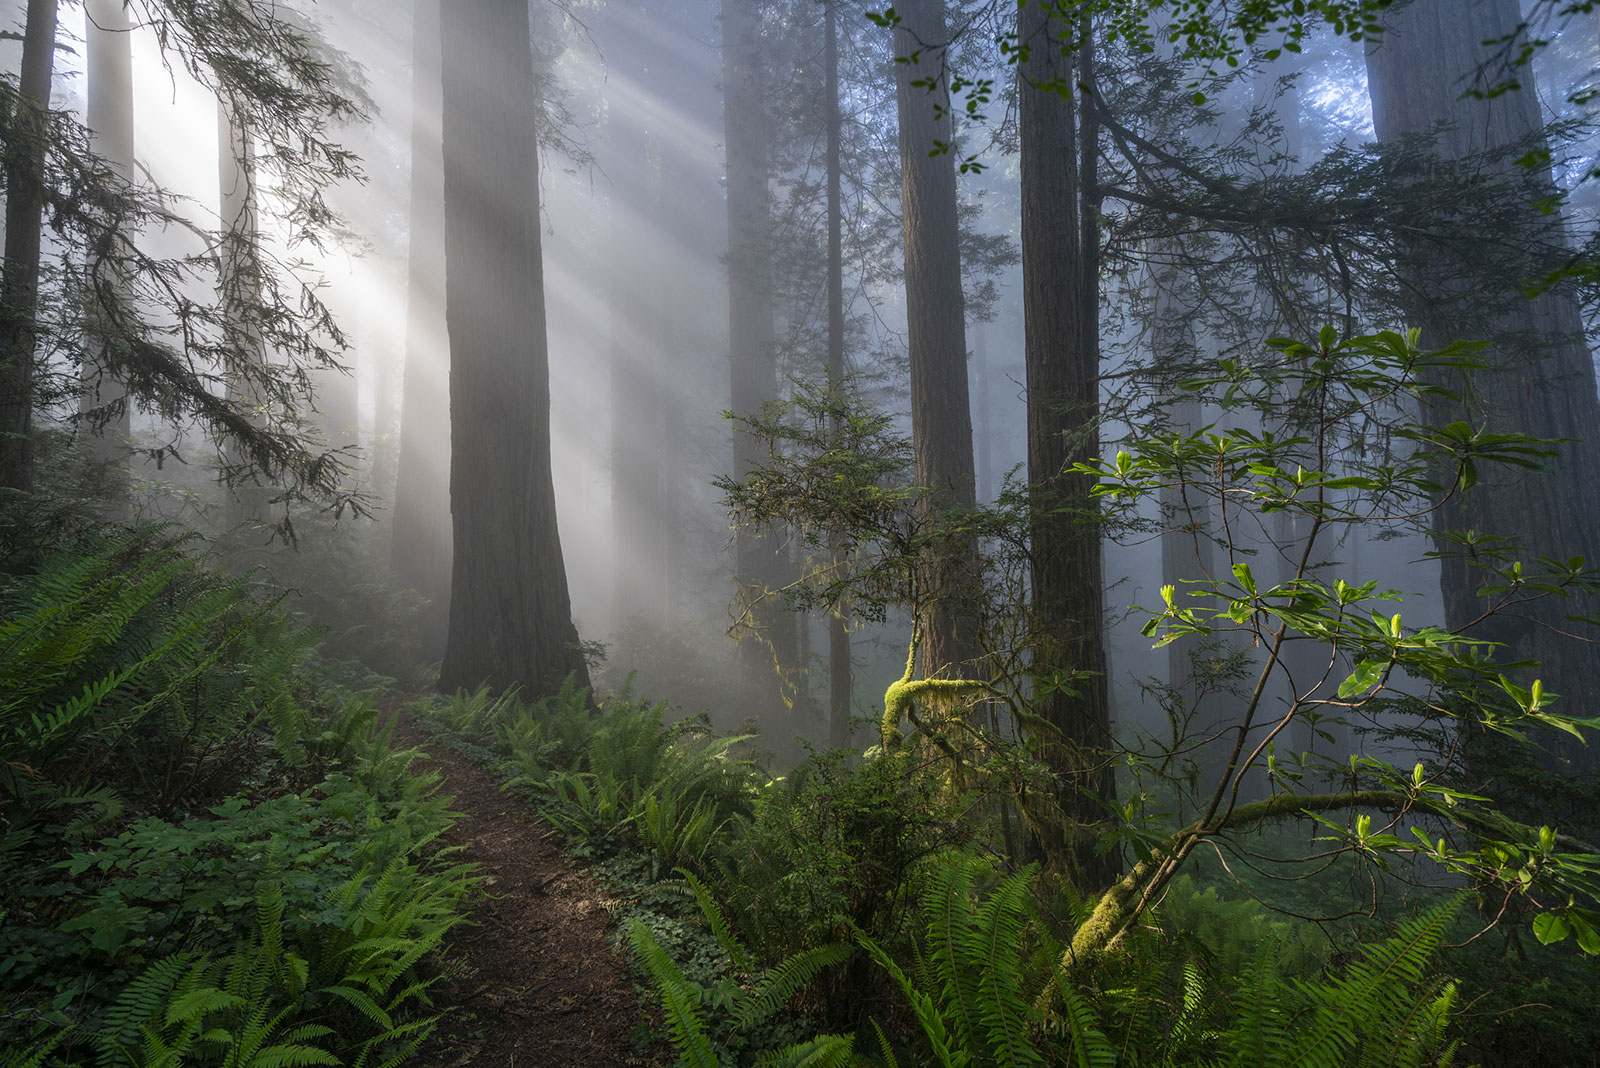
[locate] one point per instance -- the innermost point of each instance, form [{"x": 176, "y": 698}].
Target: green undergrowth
[
  {"x": 846, "y": 914},
  {"x": 213, "y": 853}
]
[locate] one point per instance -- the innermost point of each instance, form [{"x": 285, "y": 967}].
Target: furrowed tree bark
[
  {"x": 941, "y": 415},
  {"x": 839, "y": 664},
  {"x": 1060, "y": 292},
  {"x": 1541, "y": 378},
  {"x": 420, "y": 548},
  {"x": 510, "y": 613},
  {"x": 760, "y": 560},
  {"x": 19, "y": 279}
]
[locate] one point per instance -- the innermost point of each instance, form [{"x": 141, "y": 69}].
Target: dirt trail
[{"x": 534, "y": 981}]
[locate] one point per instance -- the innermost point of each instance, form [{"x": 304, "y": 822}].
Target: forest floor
[{"x": 531, "y": 979}]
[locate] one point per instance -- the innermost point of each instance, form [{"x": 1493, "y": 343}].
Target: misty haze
[{"x": 799, "y": 532}]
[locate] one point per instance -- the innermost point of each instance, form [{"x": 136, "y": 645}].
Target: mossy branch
[
  {"x": 904, "y": 691},
  {"x": 1120, "y": 906}
]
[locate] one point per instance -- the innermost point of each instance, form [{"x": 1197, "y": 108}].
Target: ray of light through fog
[{"x": 634, "y": 232}]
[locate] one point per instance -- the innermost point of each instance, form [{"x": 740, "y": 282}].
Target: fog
[{"x": 634, "y": 221}]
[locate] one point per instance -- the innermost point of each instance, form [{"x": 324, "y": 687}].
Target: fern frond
[
  {"x": 717, "y": 921},
  {"x": 824, "y": 1051},
  {"x": 786, "y": 979},
  {"x": 933, "y": 1025},
  {"x": 1090, "y": 1046},
  {"x": 679, "y": 999}
]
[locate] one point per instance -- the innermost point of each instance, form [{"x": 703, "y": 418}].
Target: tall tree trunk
[
  {"x": 420, "y": 548},
  {"x": 1060, "y": 291},
  {"x": 510, "y": 613},
  {"x": 760, "y": 560},
  {"x": 19, "y": 277},
  {"x": 839, "y": 665},
  {"x": 1541, "y": 380},
  {"x": 109, "y": 66},
  {"x": 941, "y": 415}
]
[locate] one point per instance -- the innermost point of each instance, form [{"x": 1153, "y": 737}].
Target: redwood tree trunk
[
  {"x": 1541, "y": 380},
  {"x": 941, "y": 416},
  {"x": 19, "y": 279},
  {"x": 510, "y": 614},
  {"x": 1060, "y": 292}
]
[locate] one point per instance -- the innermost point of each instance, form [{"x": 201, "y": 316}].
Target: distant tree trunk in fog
[
  {"x": 1189, "y": 552},
  {"x": 420, "y": 547},
  {"x": 1542, "y": 378},
  {"x": 19, "y": 277},
  {"x": 982, "y": 426},
  {"x": 760, "y": 558},
  {"x": 839, "y": 665},
  {"x": 510, "y": 613},
  {"x": 239, "y": 278},
  {"x": 109, "y": 70},
  {"x": 1061, "y": 297},
  {"x": 941, "y": 416}
]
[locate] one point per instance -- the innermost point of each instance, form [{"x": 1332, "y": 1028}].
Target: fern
[
  {"x": 717, "y": 921},
  {"x": 1089, "y": 1046},
  {"x": 679, "y": 999},
  {"x": 827, "y": 1051},
  {"x": 786, "y": 979},
  {"x": 33, "y": 1056}
]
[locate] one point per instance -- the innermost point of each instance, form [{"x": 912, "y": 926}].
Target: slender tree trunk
[
  {"x": 982, "y": 428},
  {"x": 760, "y": 560},
  {"x": 1060, "y": 289},
  {"x": 109, "y": 64},
  {"x": 420, "y": 549},
  {"x": 1541, "y": 379},
  {"x": 941, "y": 415},
  {"x": 839, "y": 665},
  {"x": 19, "y": 276},
  {"x": 510, "y": 613}
]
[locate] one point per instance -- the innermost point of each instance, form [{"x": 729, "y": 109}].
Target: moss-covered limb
[
  {"x": 1120, "y": 906},
  {"x": 905, "y": 690}
]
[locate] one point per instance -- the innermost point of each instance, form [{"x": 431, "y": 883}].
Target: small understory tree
[
  {"x": 1440, "y": 691},
  {"x": 1419, "y": 696}
]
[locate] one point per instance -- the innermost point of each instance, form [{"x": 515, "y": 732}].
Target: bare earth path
[{"x": 534, "y": 981}]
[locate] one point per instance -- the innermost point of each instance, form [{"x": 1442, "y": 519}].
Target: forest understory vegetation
[{"x": 1225, "y": 696}]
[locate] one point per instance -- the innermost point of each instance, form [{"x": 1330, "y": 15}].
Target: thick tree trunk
[
  {"x": 839, "y": 664},
  {"x": 19, "y": 277},
  {"x": 941, "y": 415},
  {"x": 109, "y": 66},
  {"x": 420, "y": 548},
  {"x": 1541, "y": 380},
  {"x": 510, "y": 614},
  {"x": 1060, "y": 292}
]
